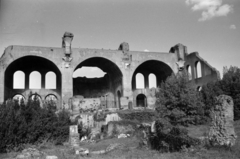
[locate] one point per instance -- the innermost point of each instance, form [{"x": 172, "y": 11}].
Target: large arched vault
[
  {"x": 160, "y": 69},
  {"x": 106, "y": 86},
  {"x": 140, "y": 84},
  {"x": 28, "y": 66}
]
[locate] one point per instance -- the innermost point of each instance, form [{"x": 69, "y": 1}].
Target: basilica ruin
[{"x": 117, "y": 89}]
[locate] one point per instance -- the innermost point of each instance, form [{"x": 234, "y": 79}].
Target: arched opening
[
  {"x": 199, "y": 88},
  {"x": 152, "y": 80},
  {"x": 19, "y": 98},
  {"x": 35, "y": 68},
  {"x": 51, "y": 97},
  {"x": 102, "y": 86},
  {"x": 51, "y": 100},
  {"x": 198, "y": 69},
  {"x": 19, "y": 80},
  {"x": 119, "y": 99},
  {"x": 35, "y": 80},
  {"x": 140, "y": 83},
  {"x": 51, "y": 80},
  {"x": 141, "y": 100},
  {"x": 160, "y": 69},
  {"x": 36, "y": 97},
  {"x": 88, "y": 72},
  {"x": 189, "y": 72}
]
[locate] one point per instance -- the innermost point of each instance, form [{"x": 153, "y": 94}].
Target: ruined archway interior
[
  {"x": 145, "y": 79},
  {"x": 104, "y": 88},
  {"x": 32, "y": 70},
  {"x": 151, "y": 67}
]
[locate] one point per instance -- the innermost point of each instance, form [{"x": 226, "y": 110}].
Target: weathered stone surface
[
  {"x": 222, "y": 129},
  {"x": 73, "y": 136},
  {"x": 116, "y": 128},
  {"x": 31, "y": 153}
]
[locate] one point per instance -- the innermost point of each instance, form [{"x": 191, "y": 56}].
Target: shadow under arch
[
  {"x": 160, "y": 69},
  {"x": 98, "y": 87},
  {"x": 28, "y": 64}
]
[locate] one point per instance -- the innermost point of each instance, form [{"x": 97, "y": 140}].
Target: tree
[
  {"x": 230, "y": 85},
  {"x": 209, "y": 93},
  {"x": 179, "y": 101}
]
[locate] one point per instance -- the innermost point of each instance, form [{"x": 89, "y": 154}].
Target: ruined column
[
  {"x": 73, "y": 136},
  {"x": 222, "y": 127}
]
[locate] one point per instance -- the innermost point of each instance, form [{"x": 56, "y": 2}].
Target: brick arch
[
  {"x": 103, "y": 86},
  {"x": 28, "y": 64},
  {"x": 159, "y": 68}
]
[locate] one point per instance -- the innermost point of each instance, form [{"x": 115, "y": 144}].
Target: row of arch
[
  {"x": 141, "y": 82},
  {"x": 196, "y": 72},
  {"x": 32, "y": 72},
  {"x": 35, "y": 80},
  {"x": 49, "y": 97}
]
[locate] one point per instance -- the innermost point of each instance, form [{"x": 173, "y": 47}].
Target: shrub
[
  {"x": 31, "y": 124},
  {"x": 178, "y": 100},
  {"x": 209, "y": 93},
  {"x": 230, "y": 84},
  {"x": 170, "y": 138}
]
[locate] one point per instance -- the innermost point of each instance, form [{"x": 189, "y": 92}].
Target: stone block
[{"x": 222, "y": 127}]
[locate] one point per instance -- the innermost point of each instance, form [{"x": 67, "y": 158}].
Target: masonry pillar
[
  {"x": 67, "y": 86},
  {"x": 27, "y": 80},
  {"x": 134, "y": 82},
  {"x": 127, "y": 83},
  {"x": 43, "y": 74},
  {"x": 146, "y": 81}
]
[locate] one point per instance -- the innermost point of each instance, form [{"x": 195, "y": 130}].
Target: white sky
[{"x": 210, "y": 27}]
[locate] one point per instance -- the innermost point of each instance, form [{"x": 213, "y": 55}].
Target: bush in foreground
[
  {"x": 30, "y": 123},
  {"x": 179, "y": 102},
  {"x": 170, "y": 138},
  {"x": 228, "y": 85}
]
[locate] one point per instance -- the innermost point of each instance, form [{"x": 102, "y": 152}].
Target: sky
[{"x": 210, "y": 27}]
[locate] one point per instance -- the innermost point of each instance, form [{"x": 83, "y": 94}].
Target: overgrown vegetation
[
  {"x": 179, "y": 102},
  {"x": 170, "y": 138},
  {"x": 229, "y": 85},
  {"x": 30, "y": 123}
]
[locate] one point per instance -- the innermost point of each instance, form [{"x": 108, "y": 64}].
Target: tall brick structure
[{"x": 116, "y": 89}]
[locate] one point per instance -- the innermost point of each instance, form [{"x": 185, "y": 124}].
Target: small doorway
[
  {"x": 141, "y": 100},
  {"x": 119, "y": 99}
]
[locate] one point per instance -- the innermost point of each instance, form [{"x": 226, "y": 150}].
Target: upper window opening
[
  {"x": 189, "y": 71},
  {"x": 140, "y": 81},
  {"x": 152, "y": 81},
  {"x": 35, "y": 80},
  {"x": 199, "y": 70},
  {"x": 51, "y": 80},
  {"x": 19, "y": 80}
]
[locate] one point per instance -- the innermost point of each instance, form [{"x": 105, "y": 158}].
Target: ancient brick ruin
[{"x": 116, "y": 90}]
